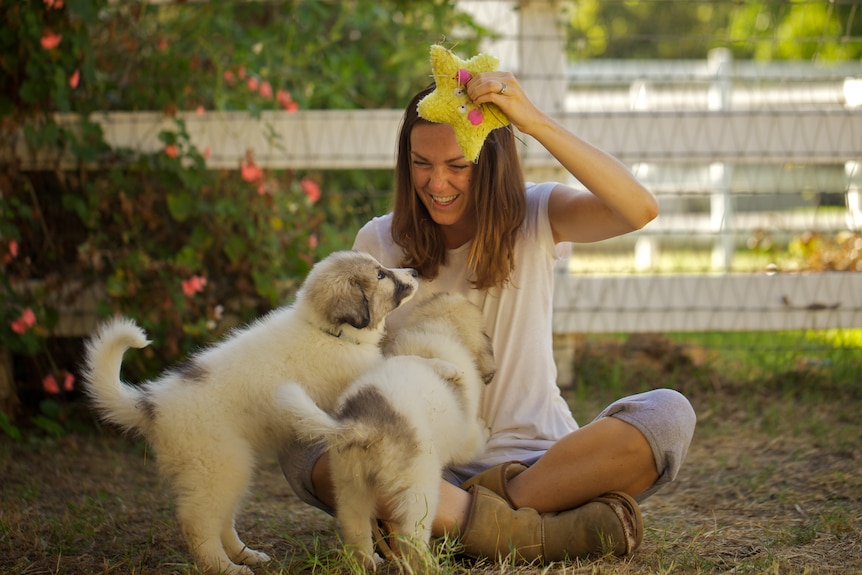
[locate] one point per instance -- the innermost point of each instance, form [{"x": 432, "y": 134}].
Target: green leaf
[
  {"x": 49, "y": 425},
  {"x": 235, "y": 248},
  {"x": 9, "y": 428},
  {"x": 180, "y": 205}
]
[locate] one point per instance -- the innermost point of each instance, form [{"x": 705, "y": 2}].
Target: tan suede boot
[
  {"x": 497, "y": 478},
  {"x": 608, "y": 524}
]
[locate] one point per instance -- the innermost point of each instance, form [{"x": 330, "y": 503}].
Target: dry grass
[{"x": 772, "y": 484}]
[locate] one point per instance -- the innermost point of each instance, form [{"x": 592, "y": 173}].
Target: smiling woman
[
  {"x": 431, "y": 164},
  {"x": 441, "y": 176},
  {"x": 544, "y": 486}
]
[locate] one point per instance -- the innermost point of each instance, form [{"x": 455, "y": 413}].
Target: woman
[{"x": 545, "y": 489}]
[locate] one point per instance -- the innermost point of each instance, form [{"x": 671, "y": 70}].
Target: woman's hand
[
  {"x": 617, "y": 202},
  {"x": 504, "y": 90}
]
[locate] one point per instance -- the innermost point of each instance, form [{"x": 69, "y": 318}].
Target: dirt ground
[{"x": 772, "y": 483}]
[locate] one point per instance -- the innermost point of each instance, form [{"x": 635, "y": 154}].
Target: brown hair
[{"x": 499, "y": 200}]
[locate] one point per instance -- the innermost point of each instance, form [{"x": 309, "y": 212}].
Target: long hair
[{"x": 498, "y": 198}]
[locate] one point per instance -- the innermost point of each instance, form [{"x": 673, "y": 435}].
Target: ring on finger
[{"x": 502, "y": 88}]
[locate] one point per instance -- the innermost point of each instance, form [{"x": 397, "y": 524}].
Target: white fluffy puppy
[
  {"x": 210, "y": 418},
  {"x": 396, "y": 428}
]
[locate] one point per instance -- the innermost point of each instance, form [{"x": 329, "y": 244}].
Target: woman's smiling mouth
[{"x": 445, "y": 200}]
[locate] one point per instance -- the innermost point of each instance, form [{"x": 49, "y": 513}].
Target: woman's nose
[{"x": 437, "y": 181}]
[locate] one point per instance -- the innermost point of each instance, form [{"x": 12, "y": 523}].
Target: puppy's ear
[{"x": 353, "y": 308}]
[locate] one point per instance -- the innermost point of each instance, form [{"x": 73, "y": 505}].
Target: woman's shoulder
[
  {"x": 378, "y": 226},
  {"x": 537, "y": 199},
  {"x": 539, "y": 191},
  {"x": 375, "y": 237}
]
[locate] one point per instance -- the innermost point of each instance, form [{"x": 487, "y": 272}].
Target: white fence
[
  {"x": 670, "y": 121},
  {"x": 726, "y": 302}
]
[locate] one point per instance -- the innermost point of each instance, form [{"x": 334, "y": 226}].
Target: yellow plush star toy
[{"x": 449, "y": 103}]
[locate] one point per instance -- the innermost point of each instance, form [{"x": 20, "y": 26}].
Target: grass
[{"x": 771, "y": 484}]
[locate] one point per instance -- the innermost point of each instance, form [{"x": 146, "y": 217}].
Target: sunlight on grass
[
  {"x": 833, "y": 354},
  {"x": 839, "y": 337}
]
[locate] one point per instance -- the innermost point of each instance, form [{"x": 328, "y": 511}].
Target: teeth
[{"x": 446, "y": 200}]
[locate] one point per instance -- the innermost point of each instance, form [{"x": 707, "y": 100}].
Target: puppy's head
[
  {"x": 467, "y": 321},
  {"x": 351, "y": 289}
]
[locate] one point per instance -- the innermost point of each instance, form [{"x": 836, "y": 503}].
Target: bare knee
[{"x": 321, "y": 480}]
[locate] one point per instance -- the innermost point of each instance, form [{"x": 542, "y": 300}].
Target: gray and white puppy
[{"x": 398, "y": 425}]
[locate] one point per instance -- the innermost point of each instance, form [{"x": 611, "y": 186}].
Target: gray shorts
[{"x": 664, "y": 416}]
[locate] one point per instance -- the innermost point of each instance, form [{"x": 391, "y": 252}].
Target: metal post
[{"x": 721, "y": 201}]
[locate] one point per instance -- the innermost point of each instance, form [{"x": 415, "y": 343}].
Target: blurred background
[{"x": 185, "y": 163}]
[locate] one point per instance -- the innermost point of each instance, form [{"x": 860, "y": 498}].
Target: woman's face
[{"x": 441, "y": 177}]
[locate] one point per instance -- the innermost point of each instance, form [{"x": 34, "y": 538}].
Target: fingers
[{"x": 492, "y": 87}]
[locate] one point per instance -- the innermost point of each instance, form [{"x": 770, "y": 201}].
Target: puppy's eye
[{"x": 380, "y": 274}]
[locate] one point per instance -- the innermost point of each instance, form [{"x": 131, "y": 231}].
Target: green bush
[{"x": 187, "y": 251}]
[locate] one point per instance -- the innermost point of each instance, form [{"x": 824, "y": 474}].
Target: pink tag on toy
[
  {"x": 463, "y": 76},
  {"x": 475, "y": 116}
]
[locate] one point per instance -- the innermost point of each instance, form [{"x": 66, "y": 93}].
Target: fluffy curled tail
[{"x": 114, "y": 400}]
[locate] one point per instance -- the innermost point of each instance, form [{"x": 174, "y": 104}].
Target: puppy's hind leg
[
  {"x": 201, "y": 516},
  {"x": 208, "y": 500},
  {"x": 417, "y": 507},
  {"x": 355, "y": 511},
  {"x": 234, "y": 482}
]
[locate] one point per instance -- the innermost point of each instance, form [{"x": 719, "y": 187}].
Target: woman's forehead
[{"x": 435, "y": 140}]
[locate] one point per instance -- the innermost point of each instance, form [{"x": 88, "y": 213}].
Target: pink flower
[
  {"x": 207, "y": 153},
  {"x": 266, "y": 89},
  {"x": 311, "y": 189},
  {"x": 194, "y": 285},
  {"x": 229, "y": 78},
  {"x": 285, "y": 100},
  {"x": 49, "y": 384},
  {"x": 313, "y": 241},
  {"x": 241, "y": 72},
  {"x": 250, "y": 172},
  {"x": 69, "y": 382},
  {"x": 253, "y": 84},
  {"x": 56, "y": 4},
  {"x": 11, "y": 252},
  {"x": 171, "y": 151},
  {"x": 74, "y": 79},
  {"x": 50, "y": 40},
  {"x": 25, "y": 322},
  {"x": 199, "y": 110}
]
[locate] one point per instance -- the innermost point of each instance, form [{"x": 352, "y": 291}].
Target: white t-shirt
[{"x": 522, "y": 405}]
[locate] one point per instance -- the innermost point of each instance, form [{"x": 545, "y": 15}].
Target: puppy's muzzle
[{"x": 406, "y": 284}]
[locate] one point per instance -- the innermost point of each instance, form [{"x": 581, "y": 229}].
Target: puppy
[
  {"x": 398, "y": 425},
  {"x": 210, "y": 419}
]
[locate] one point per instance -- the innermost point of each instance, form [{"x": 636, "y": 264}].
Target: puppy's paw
[
  {"x": 252, "y": 557},
  {"x": 230, "y": 570},
  {"x": 484, "y": 431},
  {"x": 446, "y": 370},
  {"x": 371, "y": 563}
]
